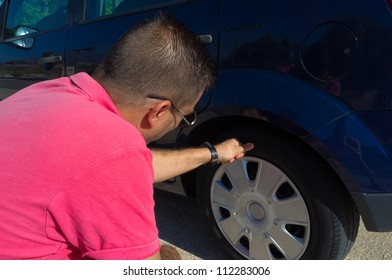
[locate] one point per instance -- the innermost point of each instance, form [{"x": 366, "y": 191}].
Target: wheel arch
[
  {"x": 269, "y": 101},
  {"x": 213, "y": 128}
]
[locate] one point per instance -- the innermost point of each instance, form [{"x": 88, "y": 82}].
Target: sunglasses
[{"x": 186, "y": 120}]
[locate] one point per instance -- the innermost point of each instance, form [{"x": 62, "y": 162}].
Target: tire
[{"x": 280, "y": 201}]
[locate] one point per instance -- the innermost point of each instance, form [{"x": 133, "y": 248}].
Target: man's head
[{"x": 159, "y": 58}]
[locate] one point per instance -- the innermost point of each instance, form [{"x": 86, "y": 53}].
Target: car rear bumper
[{"x": 375, "y": 210}]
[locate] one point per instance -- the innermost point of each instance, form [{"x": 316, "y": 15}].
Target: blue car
[{"x": 308, "y": 82}]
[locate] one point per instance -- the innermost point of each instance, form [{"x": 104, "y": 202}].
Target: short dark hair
[{"x": 157, "y": 57}]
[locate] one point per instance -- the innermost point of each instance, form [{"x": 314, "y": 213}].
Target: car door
[
  {"x": 33, "y": 40},
  {"x": 104, "y": 21}
]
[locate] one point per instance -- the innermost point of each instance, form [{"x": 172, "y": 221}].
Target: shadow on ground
[{"x": 180, "y": 223}]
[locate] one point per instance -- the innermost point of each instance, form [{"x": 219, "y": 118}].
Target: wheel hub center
[{"x": 256, "y": 212}]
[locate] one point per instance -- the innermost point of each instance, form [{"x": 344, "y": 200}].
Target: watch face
[{"x": 214, "y": 155}]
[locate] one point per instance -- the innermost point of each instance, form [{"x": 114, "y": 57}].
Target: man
[{"x": 76, "y": 176}]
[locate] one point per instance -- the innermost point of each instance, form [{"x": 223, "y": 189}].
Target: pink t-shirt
[{"x": 75, "y": 177}]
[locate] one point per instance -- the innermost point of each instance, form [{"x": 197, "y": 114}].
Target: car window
[
  {"x": 27, "y": 16},
  {"x": 99, "y": 8}
]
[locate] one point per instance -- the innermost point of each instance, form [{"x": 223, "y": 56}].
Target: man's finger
[
  {"x": 247, "y": 147},
  {"x": 239, "y": 156}
]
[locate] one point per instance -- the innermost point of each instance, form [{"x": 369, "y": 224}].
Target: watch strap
[{"x": 211, "y": 148}]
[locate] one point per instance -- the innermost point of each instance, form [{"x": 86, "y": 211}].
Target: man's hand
[{"x": 232, "y": 149}]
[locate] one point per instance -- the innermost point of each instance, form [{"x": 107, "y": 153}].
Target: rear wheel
[{"x": 278, "y": 202}]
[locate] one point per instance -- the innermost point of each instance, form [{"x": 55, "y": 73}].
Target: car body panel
[
  {"x": 279, "y": 94},
  {"x": 265, "y": 37},
  {"x": 21, "y": 67},
  {"x": 22, "y": 58}
]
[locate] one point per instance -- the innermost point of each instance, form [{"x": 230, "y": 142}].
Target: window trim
[
  {"x": 3, "y": 14},
  {"x": 133, "y": 11}
]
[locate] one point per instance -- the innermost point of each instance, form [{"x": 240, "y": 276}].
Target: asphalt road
[{"x": 180, "y": 224}]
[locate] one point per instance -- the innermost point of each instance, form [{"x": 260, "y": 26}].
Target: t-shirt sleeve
[{"x": 107, "y": 209}]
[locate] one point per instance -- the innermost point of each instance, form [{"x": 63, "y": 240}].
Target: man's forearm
[{"x": 171, "y": 163}]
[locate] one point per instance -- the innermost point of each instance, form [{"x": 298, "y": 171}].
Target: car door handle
[
  {"x": 50, "y": 59},
  {"x": 205, "y": 39}
]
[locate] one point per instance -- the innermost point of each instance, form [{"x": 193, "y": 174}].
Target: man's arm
[{"x": 171, "y": 163}]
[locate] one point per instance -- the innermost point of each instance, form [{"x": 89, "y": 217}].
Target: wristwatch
[{"x": 211, "y": 148}]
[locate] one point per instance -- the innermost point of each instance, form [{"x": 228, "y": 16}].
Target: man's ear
[{"x": 157, "y": 111}]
